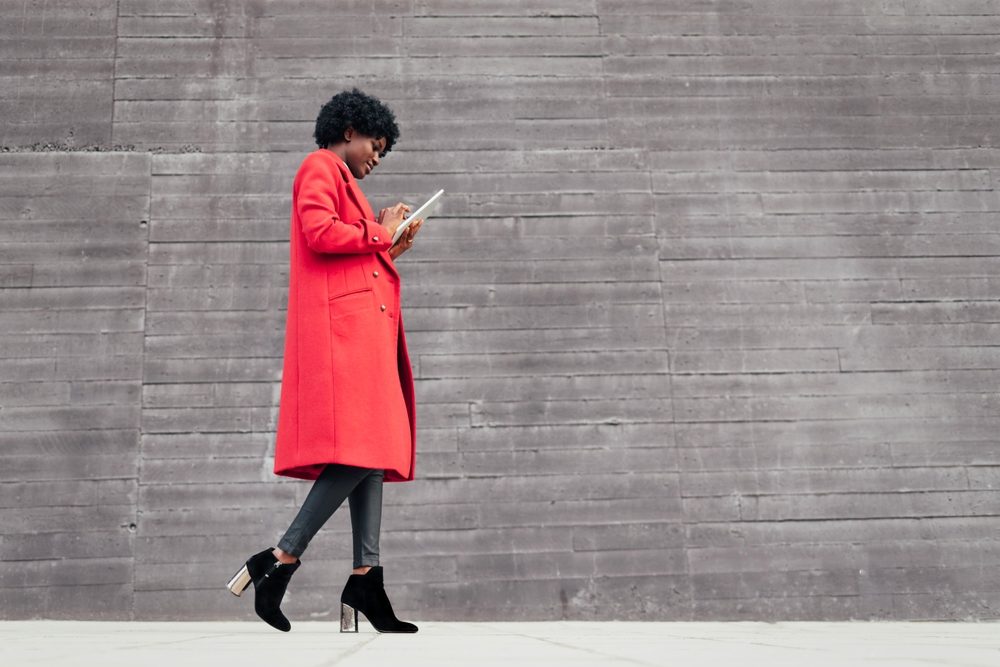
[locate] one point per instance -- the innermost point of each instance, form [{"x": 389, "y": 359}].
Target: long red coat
[{"x": 347, "y": 387}]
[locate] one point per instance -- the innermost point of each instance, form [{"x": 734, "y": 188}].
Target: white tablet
[{"x": 421, "y": 213}]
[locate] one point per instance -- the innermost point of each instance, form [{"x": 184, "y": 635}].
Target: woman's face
[{"x": 362, "y": 152}]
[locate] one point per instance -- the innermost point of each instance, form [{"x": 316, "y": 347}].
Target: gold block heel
[
  {"x": 348, "y": 618},
  {"x": 239, "y": 582}
]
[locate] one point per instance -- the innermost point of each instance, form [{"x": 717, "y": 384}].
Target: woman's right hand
[{"x": 392, "y": 217}]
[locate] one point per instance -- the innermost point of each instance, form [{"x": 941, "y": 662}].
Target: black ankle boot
[
  {"x": 270, "y": 578},
  {"x": 366, "y": 593}
]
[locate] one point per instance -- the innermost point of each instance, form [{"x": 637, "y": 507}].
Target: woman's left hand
[{"x": 405, "y": 241}]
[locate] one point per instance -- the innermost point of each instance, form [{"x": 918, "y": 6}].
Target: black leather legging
[{"x": 363, "y": 489}]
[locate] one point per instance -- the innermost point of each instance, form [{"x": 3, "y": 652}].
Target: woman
[{"x": 347, "y": 417}]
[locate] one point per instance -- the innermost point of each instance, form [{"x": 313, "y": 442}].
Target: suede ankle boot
[
  {"x": 366, "y": 593},
  {"x": 270, "y": 578}
]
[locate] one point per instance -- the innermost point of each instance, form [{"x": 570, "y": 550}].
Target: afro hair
[{"x": 353, "y": 108}]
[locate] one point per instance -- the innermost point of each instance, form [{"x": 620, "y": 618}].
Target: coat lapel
[{"x": 354, "y": 191}]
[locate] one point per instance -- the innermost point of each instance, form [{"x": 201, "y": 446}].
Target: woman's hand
[
  {"x": 392, "y": 217},
  {"x": 405, "y": 241}
]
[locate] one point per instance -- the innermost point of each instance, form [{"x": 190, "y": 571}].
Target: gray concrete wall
[{"x": 707, "y": 328}]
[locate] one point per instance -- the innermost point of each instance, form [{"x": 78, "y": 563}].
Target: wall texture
[{"x": 707, "y": 329}]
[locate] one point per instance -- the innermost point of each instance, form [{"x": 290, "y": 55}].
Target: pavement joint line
[
  {"x": 586, "y": 650},
  {"x": 188, "y": 639},
  {"x": 736, "y": 640},
  {"x": 351, "y": 651}
]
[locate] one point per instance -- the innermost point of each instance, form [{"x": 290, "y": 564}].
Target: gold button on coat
[
  {"x": 383, "y": 307},
  {"x": 375, "y": 239},
  {"x": 375, "y": 273}
]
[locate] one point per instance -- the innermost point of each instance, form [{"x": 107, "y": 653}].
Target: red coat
[{"x": 347, "y": 387}]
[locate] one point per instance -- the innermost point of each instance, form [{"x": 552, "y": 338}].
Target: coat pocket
[{"x": 351, "y": 303}]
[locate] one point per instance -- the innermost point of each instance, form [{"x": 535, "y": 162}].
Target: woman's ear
[{"x": 349, "y": 133}]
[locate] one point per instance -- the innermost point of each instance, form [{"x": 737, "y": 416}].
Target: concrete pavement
[{"x": 114, "y": 644}]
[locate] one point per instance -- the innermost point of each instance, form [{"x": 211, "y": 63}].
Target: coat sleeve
[{"x": 319, "y": 212}]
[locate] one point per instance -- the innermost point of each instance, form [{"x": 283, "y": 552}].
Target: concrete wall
[{"x": 707, "y": 329}]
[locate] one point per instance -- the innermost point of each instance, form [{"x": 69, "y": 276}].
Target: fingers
[
  {"x": 411, "y": 231},
  {"x": 399, "y": 211},
  {"x": 392, "y": 217}
]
